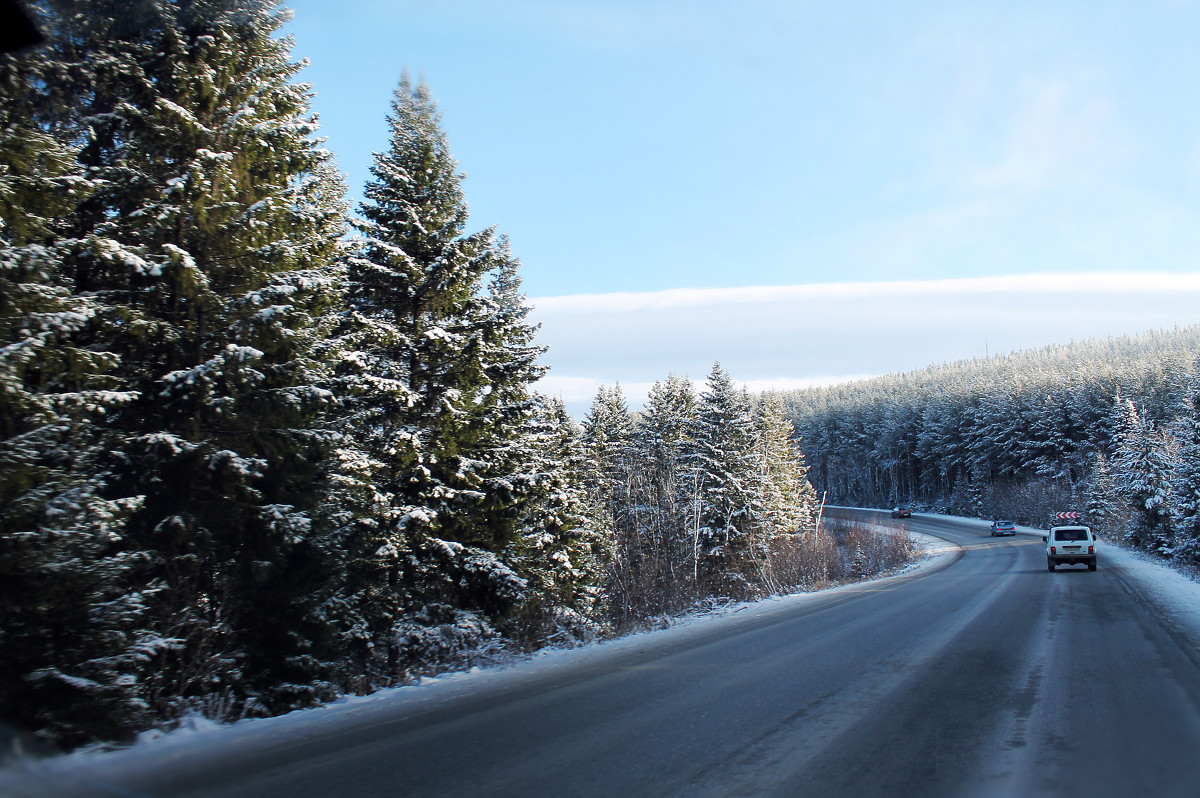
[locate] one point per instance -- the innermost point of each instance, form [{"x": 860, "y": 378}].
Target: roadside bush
[
  {"x": 801, "y": 561},
  {"x": 861, "y": 550},
  {"x": 865, "y": 549}
]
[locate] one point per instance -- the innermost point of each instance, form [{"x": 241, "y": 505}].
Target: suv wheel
[
  {"x": 1092, "y": 565},
  {"x": 1049, "y": 564}
]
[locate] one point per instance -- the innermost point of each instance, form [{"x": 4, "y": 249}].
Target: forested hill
[{"x": 1102, "y": 426}]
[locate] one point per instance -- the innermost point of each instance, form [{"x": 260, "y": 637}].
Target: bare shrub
[
  {"x": 439, "y": 638},
  {"x": 842, "y": 550},
  {"x": 801, "y": 561},
  {"x": 866, "y": 549},
  {"x": 645, "y": 591},
  {"x": 654, "y": 576},
  {"x": 543, "y": 624},
  {"x": 223, "y": 706}
]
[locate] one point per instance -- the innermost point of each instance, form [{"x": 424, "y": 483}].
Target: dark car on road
[
  {"x": 901, "y": 512},
  {"x": 1003, "y": 528}
]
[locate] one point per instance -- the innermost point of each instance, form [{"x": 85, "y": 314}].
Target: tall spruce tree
[
  {"x": 789, "y": 501},
  {"x": 71, "y": 640},
  {"x": 1104, "y": 512},
  {"x": 561, "y": 551},
  {"x": 436, "y": 362},
  {"x": 1143, "y": 467},
  {"x": 660, "y": 441},
  {"x": 1185, "y": 479},
  {"x": 205, "y": 249},
  {"x": 725, "y": 486},
  {"x": 607, "y": 430},
  {"x": 507, "y": 419}
]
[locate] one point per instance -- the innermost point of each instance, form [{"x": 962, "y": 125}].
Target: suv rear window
[{"x": 1071, "y": 534}]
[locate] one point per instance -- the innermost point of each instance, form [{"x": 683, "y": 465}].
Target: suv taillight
[
  {"x": 1051, "y": 549},
  {"x": 1091, "y": 549}
]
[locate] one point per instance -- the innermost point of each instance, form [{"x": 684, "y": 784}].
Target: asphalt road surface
[{"x": 987, "y": 675}]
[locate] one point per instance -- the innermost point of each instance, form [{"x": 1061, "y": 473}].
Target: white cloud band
[
  {"x": 1071, "y": 284},
  {"x": 797, "y": 335}
]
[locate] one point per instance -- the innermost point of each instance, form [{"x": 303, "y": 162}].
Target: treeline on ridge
[{"x": 1107, "y": 428}]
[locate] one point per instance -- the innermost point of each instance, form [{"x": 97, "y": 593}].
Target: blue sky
[{"x": 646, "y": 147}]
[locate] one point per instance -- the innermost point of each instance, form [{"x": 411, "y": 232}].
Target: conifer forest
[
  {"x": 260, "y": 449},
  {"x": 257, "y": 451},
  {"x": 1108, "y": 429}
]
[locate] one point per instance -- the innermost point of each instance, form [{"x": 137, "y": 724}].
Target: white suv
[{"x": 1072, "y": 545}]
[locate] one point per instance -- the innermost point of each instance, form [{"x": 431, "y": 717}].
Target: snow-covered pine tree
[
  {"x": 1185, "y": 478},
  {"x": 532, "y": 466},
  {"x": 1142, "y": 470},
  {"x": 70, "y": 605},
  {"x": 607, "y": 428},
  {"x": 437, "y": 366},
  {"x": 789, "y": 501},
  {"x": 660, "y": 440},
  {"x": 1047, "y": 445},
  {"x": 1104, "y": 512},
  {"x": 506, "y": 419},
  {"x": 724, "y": 476},
  {"x": 561, "y": 551},
  {"x": 206, "y": 248}
]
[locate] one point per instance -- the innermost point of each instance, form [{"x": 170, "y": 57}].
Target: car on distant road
[
  {"x": 1070, "y": 545},
  {"x": 1003, "y": 528},
  {"x": 901, "y": 512}
]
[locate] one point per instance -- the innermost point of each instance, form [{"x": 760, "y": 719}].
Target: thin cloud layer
[
  {"x": 630, "y": 302},
  {"x": 800, "y": 335}
]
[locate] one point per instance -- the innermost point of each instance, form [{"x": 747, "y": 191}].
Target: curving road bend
[{"x": 982, "y": 675}]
